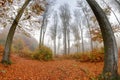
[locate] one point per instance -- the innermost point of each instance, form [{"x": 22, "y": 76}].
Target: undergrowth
[
  {"x": 96, "y": 55},
  {"x": 43, "y": 53}
]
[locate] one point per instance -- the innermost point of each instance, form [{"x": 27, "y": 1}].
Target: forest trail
[{"x": 25, "y": 69}]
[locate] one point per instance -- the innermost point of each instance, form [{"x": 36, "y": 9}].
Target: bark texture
[{"x": 111, "y": 51}]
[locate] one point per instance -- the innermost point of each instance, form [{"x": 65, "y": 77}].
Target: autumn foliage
[
  {"x": 97, "y": 55},
  {"x": 43, "y": 53},
  {"x": 94, "y": 56}
]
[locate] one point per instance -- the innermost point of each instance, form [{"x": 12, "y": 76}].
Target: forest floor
[{"x": 26, "y": 69}]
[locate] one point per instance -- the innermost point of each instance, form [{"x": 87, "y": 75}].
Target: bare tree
[
  {"x": 111, "y": 51},
  {"x": 78, "y": 22},
  {"x": 75, "y": 31},
  {"x": 54, "y": 30},
  {"x": 46, "y": 15},
  {"x": 84, "y": 10},
  {"x": 65, "y": 18},
  {"x": 68, "y": 37}
]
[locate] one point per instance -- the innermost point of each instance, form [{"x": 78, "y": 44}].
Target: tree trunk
[
  {"x": 58, "y": 47},
  {"x": 55, "y": 47},
  {"x": 6, "y": 54},
  {"x": 118, "y": 2},
  {"x": 68, "y": 36},
  {"x": 111, "y": 51},
  {"x": 43, "y": 38},
  {"x": 82, "y": 40},
  {"x": 41, "y": 31},
  {"x": 64, "y": 41},
  {"x": 91, "y": 44}
]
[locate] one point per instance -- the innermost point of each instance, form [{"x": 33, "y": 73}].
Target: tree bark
[
  {"x": 82, "y": 40},
  {"x": 41, "y": 30},
  {"x": 68, "y": 36},
  {"x": 118, "y": 2},
  {"x": 64, "y": 41},
  {"x": 55, "y": 46},
  {"x": 44, "y": 24},
  {"x": 6, "y": 54},
  {"x": 111, "y": 51}
]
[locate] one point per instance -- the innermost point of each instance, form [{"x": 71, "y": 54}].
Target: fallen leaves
[{"x": 23, "y": 69}]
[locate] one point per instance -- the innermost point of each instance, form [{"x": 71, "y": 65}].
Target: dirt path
[{"x": 23, "y": 69}]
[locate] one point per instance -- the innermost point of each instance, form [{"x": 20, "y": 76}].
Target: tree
[
  {"x": 46, "y": 15},
  {"x": 42, "y": 26},
  {"x": 54, "y": 30},
  {"x": 6, "y": 54},
  {"x": 78, "y": 22},
  {"x": 75, "y": 31},
  {"x": 84, "y": 10},
  {"x": 65, "y": 18},
  {"x": 111, "y": 51}
]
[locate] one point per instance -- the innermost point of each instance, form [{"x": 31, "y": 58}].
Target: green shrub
[{"x": 43, "y": 53}]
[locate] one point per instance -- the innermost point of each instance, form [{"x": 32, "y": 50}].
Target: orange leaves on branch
[
  {"x": 2, "y": 2},
  {"x": 37, "y": 8},
  {"x": 97, "y": 36}
]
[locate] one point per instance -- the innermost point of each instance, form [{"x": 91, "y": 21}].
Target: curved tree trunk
[
  {"x": 111, "y": 51},
  {"x": 6, "y": 54}
]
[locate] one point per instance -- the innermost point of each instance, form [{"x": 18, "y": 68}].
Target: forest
[{"x": 59, "y": 40}]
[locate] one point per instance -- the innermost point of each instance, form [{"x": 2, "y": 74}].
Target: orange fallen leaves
[{"x": 23, "y": 69}]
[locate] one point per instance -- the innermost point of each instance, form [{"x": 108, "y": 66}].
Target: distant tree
[
  {"x": 45, "y": 15},
  {"x": 59, "y": 40},
  {"x": 65, "y": 18},
  {"x": 53, "y": 30},
  {"x": 111, "y": 51},
  {"x": 78, "y": 23},
  {"x": 86, "y": 16},
  {"x": 76, "y": 33}
]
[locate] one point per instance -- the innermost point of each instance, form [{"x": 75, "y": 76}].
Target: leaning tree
[
  {"x": 6, "y": 53},
  {"x": 111, "y": 51}
]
